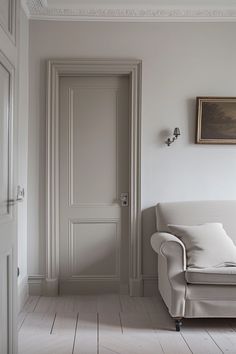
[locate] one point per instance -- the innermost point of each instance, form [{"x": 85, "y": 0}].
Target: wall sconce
[{"x": 176, "y": 133}]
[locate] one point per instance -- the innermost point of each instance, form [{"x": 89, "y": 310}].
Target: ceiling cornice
[{"x": 39, "y": 10}]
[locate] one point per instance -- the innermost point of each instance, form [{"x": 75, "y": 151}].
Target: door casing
[{"x": 57, "y": 68}]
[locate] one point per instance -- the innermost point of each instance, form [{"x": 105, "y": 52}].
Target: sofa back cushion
[
  {"x": 197, "y": 213},
  {"x": 207, "y": 245}
]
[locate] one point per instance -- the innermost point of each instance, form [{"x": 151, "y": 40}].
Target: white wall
[
  {"x": 23, "y": 104},
  {"x": 180, "y": 62}
]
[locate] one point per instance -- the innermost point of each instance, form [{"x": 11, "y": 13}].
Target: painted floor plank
[
  {"x": 59, "y": 304},
  {"x": 138, "y": 329},
  {"x": 37, "y": 323},
  {"x": 108, "y": 303},
  {"x": 124, "y": 344},
  {"x": 86, "y": 340},
  {"x": 20, "y": 319},
  {"x": 109, "y": 327},
  {"x": 198, "y": 339},
  {"x": 85, "y": 304},
  {"x": 172, "y": 342},
  {"x": 109, "y": 324},
  {"x": 34, "y": 335},
  {"x": 63, "y": 333},
  {"x": 136, "y": 324},
  {"x": 30, "y": 304},
  {"x": 46, "y": 304},
  {"x": 65, "y": 324},
  {"x": 223, "y": 335},
  {"x": 132, "y": 304}
]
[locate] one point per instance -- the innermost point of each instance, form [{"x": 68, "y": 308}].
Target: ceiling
[{"x": 132, "y": 10}]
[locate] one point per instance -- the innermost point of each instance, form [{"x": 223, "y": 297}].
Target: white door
[
  {"x": 94, "y": 172},
  {"x": 8, "y": 251}
]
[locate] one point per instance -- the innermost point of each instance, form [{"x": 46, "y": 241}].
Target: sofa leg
[{"x": 178, "y": 324}]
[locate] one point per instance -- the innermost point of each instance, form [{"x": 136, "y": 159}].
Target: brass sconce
[{"x": 176, "y": 133}]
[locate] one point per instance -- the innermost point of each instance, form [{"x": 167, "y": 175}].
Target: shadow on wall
[{"x": 149, "y": 256}]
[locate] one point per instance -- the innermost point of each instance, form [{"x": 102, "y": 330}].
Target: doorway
[{"x": 76, "y": 263}]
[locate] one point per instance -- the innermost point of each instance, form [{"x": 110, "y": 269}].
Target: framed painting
[{"x": 216, "y": 120}]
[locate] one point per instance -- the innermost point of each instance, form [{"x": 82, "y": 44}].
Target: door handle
[
  {"x": 124, "y": 198},
  {"x": 14, "y": 201},
  {"x": 19, "y": 196}
]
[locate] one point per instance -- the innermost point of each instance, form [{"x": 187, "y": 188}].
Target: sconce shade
[{"x": 176, "y": 132}]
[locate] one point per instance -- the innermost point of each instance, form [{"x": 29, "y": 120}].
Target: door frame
[{"x": 57, "y": 68}]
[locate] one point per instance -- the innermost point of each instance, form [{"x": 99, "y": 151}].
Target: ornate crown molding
[{"x": 39, "y": 9}]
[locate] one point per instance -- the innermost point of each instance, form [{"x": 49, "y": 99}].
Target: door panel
[
  {"x": 7, "y": 17},
  {"x": 93, "y": 249},
  {"x": 93, "y": 148},
  {"x": 94, "y": 170},
  {"x": 5, "y": 13},
  {"x": 8, "y": 291},
  {"x": 4, "y": 139},
  {"x": 5, "y": 304}
]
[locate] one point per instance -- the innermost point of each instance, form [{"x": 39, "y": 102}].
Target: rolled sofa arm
[
  {"x": 171, "y": 267},
  {"x": 158, "y": 242}
]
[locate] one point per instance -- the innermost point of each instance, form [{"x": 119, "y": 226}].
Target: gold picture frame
[{"x": 216, "y": 120}]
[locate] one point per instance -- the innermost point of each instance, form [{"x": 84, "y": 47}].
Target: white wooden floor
[{"x": 108, "y": 324}]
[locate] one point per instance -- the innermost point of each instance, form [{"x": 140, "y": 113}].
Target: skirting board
[
  {"x": 146, "y": 286},
  {"x": 150, "y": 285},
  {"x": 89, "y": 286},
  {"x": 23, "y": 292},
  {"x": 136, "y": 287},
  {"x": 36, "y": 284}
]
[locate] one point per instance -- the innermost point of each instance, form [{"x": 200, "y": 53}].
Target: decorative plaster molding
[{"x": 39, "y": 9}]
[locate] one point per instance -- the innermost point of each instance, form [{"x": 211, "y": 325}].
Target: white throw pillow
[{"x": 207, "y": 245}]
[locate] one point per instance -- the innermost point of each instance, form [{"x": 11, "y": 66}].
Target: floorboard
[
  {"x": 31, "y": 304},
  {"x": 198, "y": 338},
  {"x": 86, "y": 339},
  {"x": 108, "y": 324}
]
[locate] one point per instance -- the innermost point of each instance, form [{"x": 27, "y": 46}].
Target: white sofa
[{"x": 190, "y": 293}]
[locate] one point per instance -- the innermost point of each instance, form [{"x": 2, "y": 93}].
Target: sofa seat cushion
[{"x": 219, "y": 275}]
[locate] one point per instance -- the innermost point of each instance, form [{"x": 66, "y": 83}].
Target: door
[
  {"x": 8, "y": 291},
  {"x": 93, "y": 178}
]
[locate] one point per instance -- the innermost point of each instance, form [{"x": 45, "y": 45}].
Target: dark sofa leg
[{"x": 178, "y": 324}]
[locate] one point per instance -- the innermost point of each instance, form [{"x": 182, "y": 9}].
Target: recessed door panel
[
  {"x": 5, "y": 13},
  {"x": 93, "y": 145},
  {"x": 4, "y": 139},
  {"x": 5, "y": 302},
  {"x": 95, "y": 249}
]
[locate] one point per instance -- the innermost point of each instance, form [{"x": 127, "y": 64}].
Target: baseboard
[
  {"x": 23, "y": 292},
  {"x": 89, "y": 286},
  {"x": 39, "y": 285},
  {"x": 51, "y": 287},
  {"x": 150, "y": 285},
  {"x": 136, "y": 287},
  {"x": 36, "y": 284},
  {"x": 145, "y": 286}
]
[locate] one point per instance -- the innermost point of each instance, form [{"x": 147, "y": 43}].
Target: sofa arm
[
  {"x": 160, "y": 242},
  {"x": 171, "y": 267}
]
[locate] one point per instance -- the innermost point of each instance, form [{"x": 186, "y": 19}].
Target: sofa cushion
[
  {"x": 207, "y": 245},
  {"x": 217, "y": 276}
]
